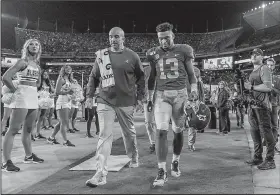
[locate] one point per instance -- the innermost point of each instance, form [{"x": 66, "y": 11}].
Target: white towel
[{"x": 105, "y": 67}]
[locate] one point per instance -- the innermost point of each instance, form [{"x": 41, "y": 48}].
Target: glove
[{"x": 150, "y": 106}]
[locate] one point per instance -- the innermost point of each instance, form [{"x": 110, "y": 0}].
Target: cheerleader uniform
[
  {"x": 64, "y": 101},
  {"x": 46, "y": 88},
  {"x": 26, "y": 95}
]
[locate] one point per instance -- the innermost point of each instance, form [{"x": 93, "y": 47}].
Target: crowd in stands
[
  {"x": 261, "y": 37},
  {"x": 91, "y": 42}
]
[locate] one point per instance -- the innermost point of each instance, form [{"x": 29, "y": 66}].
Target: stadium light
[{"x": 263, "y": 6}]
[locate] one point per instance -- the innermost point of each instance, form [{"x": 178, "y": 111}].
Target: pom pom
[
  {"x": 43, "y": 94},
  {"x": 7, "y": 98},
  {"x": 5, "y": 89},
  {"x": 45, "y": 103}
]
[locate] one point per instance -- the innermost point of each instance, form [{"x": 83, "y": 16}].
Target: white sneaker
[
  {"x": 97, "y": 180},
  {"x": 161, "y": 178},
  {"x": 133, "y": 164},
  {"x": 191, "y": 148}
]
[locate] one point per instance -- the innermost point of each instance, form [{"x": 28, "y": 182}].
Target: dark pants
[
  {"x": 260, "y": 122},
  {"x": 55, "y": 113},
  {"x": 86, "y": 113},
  {"x": 274, "y": 122},
  {"x": 240, "y": 115},
  {"x": 92, "y": 112},
  {"x": 224, "y": 122}
]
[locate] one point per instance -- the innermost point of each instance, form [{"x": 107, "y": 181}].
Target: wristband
[{"x": 252, "y": 88}]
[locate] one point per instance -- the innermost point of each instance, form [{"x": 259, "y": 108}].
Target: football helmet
[{"x": 198, "y": 114}]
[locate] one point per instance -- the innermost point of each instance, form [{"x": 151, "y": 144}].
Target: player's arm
[
  {"x": 152, "y": 77},
  {"x": 140, "y": 78},
  {"x": 10, "y": 73},
  {"x": 266, "y": 78},
  {"x": 189, "y": 56},
  {"x": 94, "y": 75}
]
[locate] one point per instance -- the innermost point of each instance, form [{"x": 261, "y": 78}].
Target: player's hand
[
  {"x": 193, "y": 96},
  {"x": 89, "y": 103},
  {"x": 247, "y": 85},
  {"x": 150, "y": 106}
]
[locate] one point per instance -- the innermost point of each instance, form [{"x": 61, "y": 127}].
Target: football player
[{"x": 171, "y": 65}]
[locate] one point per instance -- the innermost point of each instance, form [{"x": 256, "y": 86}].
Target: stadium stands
[{"x": 72, "y": 42}]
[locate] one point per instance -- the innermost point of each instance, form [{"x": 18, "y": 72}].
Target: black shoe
[
  {"x": 89, "y": 136},
  {"x": 39, "y": 136},
  {"x": 152, "y": 148},
  {"x": 254, "y": 161},
  {"x": 45, "y": 128},
  {"x": 52, "y": 141},
  {"x": 237, "y": 124},
  {"x": 97, "y": 133},
  {"x": 175, "y": 171},
  {"x": 33, "y": 159},
  {"x": 71, "y": 131},
  {"x": 3, "y": 133},
  {"x": 267, "y": 165},
  {"x": 32, "y": 138},
  {"x": 68, "y": 143},
  {"x": 9, "y": 167},
  {"x": 200, "y": 131},
  {"x": 76, "y": 129}
]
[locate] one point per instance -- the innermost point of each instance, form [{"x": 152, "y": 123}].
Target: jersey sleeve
[{"x": 188, "y": 52}]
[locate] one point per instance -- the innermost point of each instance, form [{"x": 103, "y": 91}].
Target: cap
[{"x": 257, "y": 51}]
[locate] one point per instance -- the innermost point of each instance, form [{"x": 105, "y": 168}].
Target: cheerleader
[
  {"x": 92, "y": 111},
  {"x": 24, "y": 103},
  {"x": 63, "y": 105},
  {"x": 77, "y": 97},
  {"x": 45, "y": 90},
  {"x": 50, "y": 111}
]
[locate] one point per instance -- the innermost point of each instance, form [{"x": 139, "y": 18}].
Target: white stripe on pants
[
  {"x": 150, "y": 124},
  {"x": 106, "y": 116},
  {"x": 191, "y": 134}
]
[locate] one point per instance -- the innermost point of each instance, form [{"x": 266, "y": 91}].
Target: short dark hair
[{"x": 166, "y": 26}]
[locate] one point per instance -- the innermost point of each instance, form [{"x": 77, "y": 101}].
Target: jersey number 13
[{"x": 173, "y": 72}]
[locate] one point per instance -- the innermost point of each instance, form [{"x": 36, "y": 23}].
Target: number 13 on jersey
[{"x": 168, "y": 68}]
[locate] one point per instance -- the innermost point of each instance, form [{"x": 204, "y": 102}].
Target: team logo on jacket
[{"x": 198, "y": 114}]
